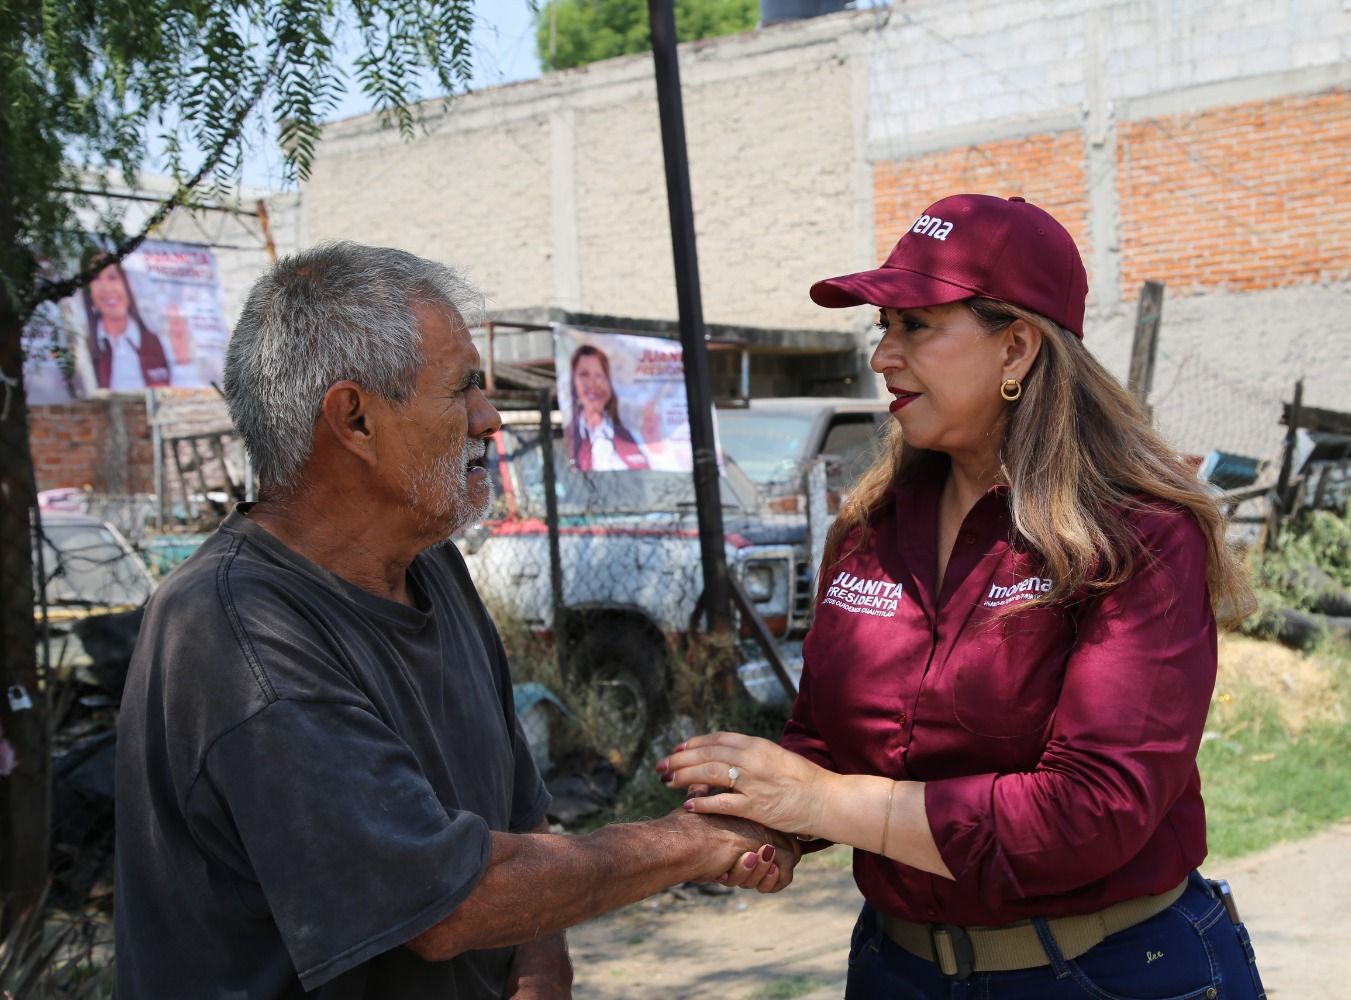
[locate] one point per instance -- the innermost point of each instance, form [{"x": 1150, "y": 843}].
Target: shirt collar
[
  {"x": 603, "y": 431},
  {"x": 132, "y": 335}
]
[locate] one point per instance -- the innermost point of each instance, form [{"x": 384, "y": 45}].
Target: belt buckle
[{"x": 963, "y": 953}]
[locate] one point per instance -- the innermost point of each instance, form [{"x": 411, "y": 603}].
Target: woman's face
[
  {"x": 591, "y": 385},
  {"x": 109, "y": 293},
  {"x": 944, "y": 371}
]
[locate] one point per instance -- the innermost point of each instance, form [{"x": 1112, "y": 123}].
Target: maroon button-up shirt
[{"x": 1058, "y": 745}]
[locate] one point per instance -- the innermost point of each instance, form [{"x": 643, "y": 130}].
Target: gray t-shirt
[{"x": 307, "y": 776}]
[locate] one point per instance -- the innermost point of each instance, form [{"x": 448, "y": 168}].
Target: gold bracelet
[{"x": 886, "y": 821}]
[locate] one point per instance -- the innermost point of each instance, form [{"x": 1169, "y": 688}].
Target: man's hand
[
  {"x": 765, "y": 864},
  {"x": 560, "y": 881}
]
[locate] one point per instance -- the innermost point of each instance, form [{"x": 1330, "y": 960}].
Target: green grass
[
  {"x": 1265, "y": 786},
  {"x": 1263, "y": 783}
]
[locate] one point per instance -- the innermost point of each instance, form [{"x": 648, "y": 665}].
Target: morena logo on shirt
[
  {"x": 860, "y": 596},
  {"x": 1025, "y": 590}
]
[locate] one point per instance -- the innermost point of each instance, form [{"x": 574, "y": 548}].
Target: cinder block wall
[
  {"x": 1203, "y": 145},
  {"x": 553, "y": 192}
]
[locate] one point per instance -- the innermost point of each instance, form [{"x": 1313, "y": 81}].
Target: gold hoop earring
[{"x": 1011, "y": 390}]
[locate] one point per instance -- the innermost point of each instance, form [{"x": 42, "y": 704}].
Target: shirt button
[{"x": 901, "y": 718}]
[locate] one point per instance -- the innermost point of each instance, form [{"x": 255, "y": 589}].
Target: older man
[{"x": 322, "y": 787}]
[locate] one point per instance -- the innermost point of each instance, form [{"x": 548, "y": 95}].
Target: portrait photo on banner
[
  {"x": 154, "y": 320},
  {"x": 622, "y": 400}
]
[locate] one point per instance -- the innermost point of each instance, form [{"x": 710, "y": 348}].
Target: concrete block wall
[
  {"x": 553, "y": 192},
  {"x": 1201, "y": 144}
]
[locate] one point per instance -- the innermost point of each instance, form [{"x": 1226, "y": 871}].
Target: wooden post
[
  {"x": 1144, "y": 348},
  {"x": 1280, "y": 501},
  {"x": 265, "y": 223}
]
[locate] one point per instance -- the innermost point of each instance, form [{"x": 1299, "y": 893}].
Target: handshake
[{"x": 753, "y": 789}]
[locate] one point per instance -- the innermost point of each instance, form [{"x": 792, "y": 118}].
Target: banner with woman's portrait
[
  {"x": 156, "y": 320},
  {"x": 622, "y": 400}
]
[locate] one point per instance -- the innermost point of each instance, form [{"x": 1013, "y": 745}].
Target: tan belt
[{"x": 960, "y": 951}]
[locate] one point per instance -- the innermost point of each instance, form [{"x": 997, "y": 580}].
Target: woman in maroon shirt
[{"x": 1013, "y": 652}]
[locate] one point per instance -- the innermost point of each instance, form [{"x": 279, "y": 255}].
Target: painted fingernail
[
  {"x": 767, "y": 853},
  {"x": 688, "y": 805},
  {"x": 679, "y": 747},
  {"x": 662, "y": 767},
  {"x": 751, "y": 861},
  {"x": 667, "y": 778}
]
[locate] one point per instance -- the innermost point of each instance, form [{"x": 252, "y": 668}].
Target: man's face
[{"x": 437, "y": 460}]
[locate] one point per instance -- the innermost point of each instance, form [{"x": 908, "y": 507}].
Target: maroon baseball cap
[{"x": 973, "y": 245}]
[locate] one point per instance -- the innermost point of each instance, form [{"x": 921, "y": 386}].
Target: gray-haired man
[{"x": 322, "y": 788}]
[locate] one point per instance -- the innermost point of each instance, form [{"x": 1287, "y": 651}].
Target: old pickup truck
[{"x": 631, "y": 571}]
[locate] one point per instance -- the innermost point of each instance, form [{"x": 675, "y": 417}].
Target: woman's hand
[
  {"x": 771, "y": 785},
  {"x": 768, "y": 870}
]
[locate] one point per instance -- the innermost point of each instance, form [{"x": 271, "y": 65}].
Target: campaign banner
[
  {"x": 157, "y": 320},
  {"x": 622, "y": 400}
]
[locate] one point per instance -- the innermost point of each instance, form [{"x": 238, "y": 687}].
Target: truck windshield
[
  {"x": 769, "y": 447},
  {"x": 589, "y": 493}
]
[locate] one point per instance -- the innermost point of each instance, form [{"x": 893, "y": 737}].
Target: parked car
[
  {"x": 85, "y": 568},
  {"x": 632, "y": 572},
  {"x": 775, "y": 442}
]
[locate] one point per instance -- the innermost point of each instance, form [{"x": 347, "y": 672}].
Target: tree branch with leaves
[{"x": 90, "y": 89}]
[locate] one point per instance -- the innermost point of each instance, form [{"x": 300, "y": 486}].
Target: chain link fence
[
  {"x": 595, "y": 580},
  {"x": 90, "y": 585},
  {"x": 1199, "y": 408}
]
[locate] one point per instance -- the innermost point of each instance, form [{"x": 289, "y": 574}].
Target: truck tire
[{"x": 626, "y": 668}]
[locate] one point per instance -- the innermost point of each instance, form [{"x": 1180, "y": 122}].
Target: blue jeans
[{"x": 1190, "y": 951}]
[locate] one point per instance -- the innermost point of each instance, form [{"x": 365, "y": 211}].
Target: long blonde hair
[{"x": 1077, "y": 451}]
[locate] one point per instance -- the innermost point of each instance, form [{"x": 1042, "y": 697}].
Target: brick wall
[
  {"x": 1200, "y": 144},
  {"x": 1047, "y": 170},
  {"x": 1246, "y": 197},
  {"x": 101, "y": 443}
]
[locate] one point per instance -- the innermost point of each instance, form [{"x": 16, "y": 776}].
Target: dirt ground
[
  {"x": 746, "y": 946},
  {"x": 1295, "y": 899}
]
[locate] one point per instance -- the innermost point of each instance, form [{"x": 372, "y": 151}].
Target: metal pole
[
  {"x": 546, "y": 450},
  {"x": 693, "y": 338}
]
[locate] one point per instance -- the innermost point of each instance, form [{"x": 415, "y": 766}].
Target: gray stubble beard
[{"x": 439, "y": 492}]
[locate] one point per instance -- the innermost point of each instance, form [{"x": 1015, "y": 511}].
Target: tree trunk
[{"x": 25, "y": 799}]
